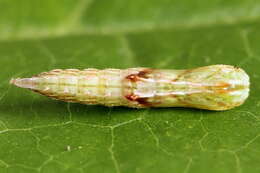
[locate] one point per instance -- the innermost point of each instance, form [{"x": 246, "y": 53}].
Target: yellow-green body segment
[{"x": 216, "y": 87}]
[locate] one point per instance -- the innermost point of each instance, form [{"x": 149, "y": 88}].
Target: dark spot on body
[
  {"x": 138, "y": 76},
  {"x": 131, "y": 97},
  {"x": 132, "y": 77},
  {"x": 143, "y": 101},
  {"x": 174, "y": 95},
  {"x": 144, "y": 73},
  {"x": 223, "y": 85},
  {"x": 221, "y": 104}
]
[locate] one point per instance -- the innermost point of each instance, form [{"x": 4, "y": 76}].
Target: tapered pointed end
[
  {"x": 12, "y": 81},
  {"x": 24, "y": 82}
]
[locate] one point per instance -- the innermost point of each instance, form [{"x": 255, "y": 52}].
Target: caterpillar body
[{"x": 215, "y": 87}]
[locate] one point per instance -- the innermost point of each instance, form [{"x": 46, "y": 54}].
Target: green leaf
[{"x": 38, "y": 134}]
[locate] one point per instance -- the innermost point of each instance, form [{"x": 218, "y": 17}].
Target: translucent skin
[{"x": 216, "y": 87}]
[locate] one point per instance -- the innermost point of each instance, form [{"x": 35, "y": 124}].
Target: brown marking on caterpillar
[
  {"x": 144, "y": 73},
  {"x": 174, "y": 95},
  {"x": 143, "y": 101},
  {"x": 223, "y": 85},
  {"x": 220, "y": 88},
  {"x": 222, "y": 104},
  {"x": 222, "y": 91},
  {"x": 132, "y": 77},
  {"x": 140, "y": 100},
  {"x": 131, "y": 97},
  {"x": 138, "y": 76}
]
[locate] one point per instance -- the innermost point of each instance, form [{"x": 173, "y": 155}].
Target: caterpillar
[{"x": 215, "y": 87}]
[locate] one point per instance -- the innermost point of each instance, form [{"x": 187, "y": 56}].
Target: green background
[{"x": 38, "y": 134}]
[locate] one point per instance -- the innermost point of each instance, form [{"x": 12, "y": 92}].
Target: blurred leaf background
[{"x": 41, "y": 135}]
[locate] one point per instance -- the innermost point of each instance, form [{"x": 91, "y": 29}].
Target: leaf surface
[{"x": 41, "y": 135}]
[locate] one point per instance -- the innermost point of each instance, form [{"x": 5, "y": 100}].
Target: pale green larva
[{"x": 216, "y": 87}]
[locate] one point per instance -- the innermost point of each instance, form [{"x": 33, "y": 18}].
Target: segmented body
[{"x": 216, "y": 87}]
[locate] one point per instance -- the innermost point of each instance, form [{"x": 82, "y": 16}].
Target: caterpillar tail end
[{"x": 28, "y": 83}]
